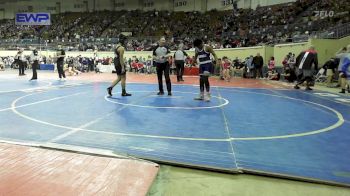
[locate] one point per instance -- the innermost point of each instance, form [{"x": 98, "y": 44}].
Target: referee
[
  {"x": 161, "y": 53},
  {"x": 179, "y": 57}
]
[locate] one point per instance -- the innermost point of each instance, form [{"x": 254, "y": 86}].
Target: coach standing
[
  {"x": 179, "y": 57},
  {"x": 34, "y": 59},
  {"x": 20, "y": 59},
  {"x": 258, "y": 64},
  {"x": 305, "y": 62},
  {"x": 161, "y": 53},
  {"x": 60, "y": 63}
]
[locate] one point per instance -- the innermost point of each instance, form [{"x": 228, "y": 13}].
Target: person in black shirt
[
  {"x": 289, "y": 74},
  {"x": 119, "y": 65},
  {"x": 60, "y": 63},
  {"x": 258, "y": 63},
  {"x": 20, "y": 60},
  {"x": 305, "y": 62},
  {"x": 330, "y": 66},
  {"x": 34, "y": 59}
]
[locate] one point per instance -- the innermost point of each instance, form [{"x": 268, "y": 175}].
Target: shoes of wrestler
[
  {"x": 126, "y": 94},
  {"x": 109, "y": 91},
  {"x": 308, "y": 89},
  {"x": 200, "y": 97}
]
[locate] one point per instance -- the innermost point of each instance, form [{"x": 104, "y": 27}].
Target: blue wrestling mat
[{"x": 287, "y": 133}]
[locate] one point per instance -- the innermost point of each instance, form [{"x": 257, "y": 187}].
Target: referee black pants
[
  {"x": 180, "y": 66},
  {"x": 163, "y": 68}
]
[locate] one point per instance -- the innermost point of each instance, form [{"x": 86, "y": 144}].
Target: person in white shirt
[
  {"x": 179, "y": 57},
  {"x": 2, "y": 65},
  {"x": 161, "y": 53}
]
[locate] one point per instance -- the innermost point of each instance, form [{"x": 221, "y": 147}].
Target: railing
[{"x": 336, "y": 32}]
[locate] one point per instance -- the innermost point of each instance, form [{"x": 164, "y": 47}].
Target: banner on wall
[{"x": 33, "y": 19}]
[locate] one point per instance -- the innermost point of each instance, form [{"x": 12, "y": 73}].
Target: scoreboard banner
[{"x": 33, "y": 19}]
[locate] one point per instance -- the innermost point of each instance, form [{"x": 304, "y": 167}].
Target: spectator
[
  {"x": 226, "y": 67},
  {"x": 289, "y": 74},
  {"x": 271, "y": 64}
]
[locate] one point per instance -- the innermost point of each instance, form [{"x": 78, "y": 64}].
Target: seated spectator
[
  {"x": 330, "y": 66},
  {"x": 134, "y": 65},
  {"x": 149, "y": 65},
  {"x": 273, "y": 75},
  {"x": 289, "y": 74},
  {"x": 237, "y": 68}
]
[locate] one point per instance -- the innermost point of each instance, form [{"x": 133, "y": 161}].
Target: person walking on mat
[{"x": 119, "y": 65}]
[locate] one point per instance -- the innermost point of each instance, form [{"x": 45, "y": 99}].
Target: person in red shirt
[
  {"x": 226, "y": 67},
  {"x": 271, "y": 63}
]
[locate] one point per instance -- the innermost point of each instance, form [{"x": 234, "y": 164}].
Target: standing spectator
[
  {"x": 226, "y": 67},
  {"x": 271, "y": 64},
  {"x": 250, "y": 67},
  {"x": 258, "y": 63},
  {"x": 149, "y": 65},
  {"x": 305, "y": 60},
  {"x": 161, "y": 53}
]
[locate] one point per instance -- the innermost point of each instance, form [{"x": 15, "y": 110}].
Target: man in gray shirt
[
  {"x": 179, "y": 58},
  {"x": 161, "y": 53}
]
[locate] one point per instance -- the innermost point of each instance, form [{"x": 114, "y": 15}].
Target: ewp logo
[{"x": 33, "y": 19}]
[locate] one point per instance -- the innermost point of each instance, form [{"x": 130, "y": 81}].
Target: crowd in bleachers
[
  {"x": 252, "y": 67},
  {"x": 223, "y": 29}
]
